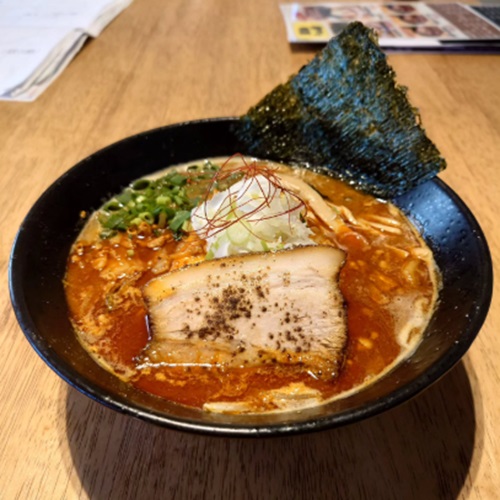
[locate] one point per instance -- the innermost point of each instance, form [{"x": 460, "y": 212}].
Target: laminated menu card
[
  {"x": 401, "y": 25},
  {"x": 38, "y": 39}
]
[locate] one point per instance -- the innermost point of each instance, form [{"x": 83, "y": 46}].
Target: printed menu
[{"x": 403, "y": 25}]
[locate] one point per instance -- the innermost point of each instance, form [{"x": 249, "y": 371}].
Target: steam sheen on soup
[{"x": 193, "y": 225}]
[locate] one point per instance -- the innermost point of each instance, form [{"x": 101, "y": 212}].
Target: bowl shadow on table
[{"x": 422, "y": 449}]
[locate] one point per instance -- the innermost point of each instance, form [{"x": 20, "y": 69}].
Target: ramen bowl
[{"x": 41, "y": 249}]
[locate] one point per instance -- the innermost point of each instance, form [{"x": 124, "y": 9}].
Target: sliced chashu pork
[{"x": 283, "y": 307}]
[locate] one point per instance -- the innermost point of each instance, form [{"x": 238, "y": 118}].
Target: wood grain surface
[{"x": 164, "y": 62}]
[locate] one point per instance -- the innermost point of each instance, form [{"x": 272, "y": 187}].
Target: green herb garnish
[{"x": 163, "y": 202}]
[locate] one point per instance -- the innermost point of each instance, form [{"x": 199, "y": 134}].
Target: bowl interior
[{"x": 41, "y": 248}]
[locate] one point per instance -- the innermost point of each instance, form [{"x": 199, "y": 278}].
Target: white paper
[
  {"x": 38, "y": 39},
  {"x": 54, "y": 13}
]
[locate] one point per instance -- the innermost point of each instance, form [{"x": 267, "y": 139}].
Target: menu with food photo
[{"x": 399, "y": 25}]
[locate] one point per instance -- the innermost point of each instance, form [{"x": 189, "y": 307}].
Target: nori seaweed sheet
[{"x": 344, "y": 111}]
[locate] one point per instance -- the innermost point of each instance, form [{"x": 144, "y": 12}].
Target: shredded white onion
[{"x": 265, "y": 217}]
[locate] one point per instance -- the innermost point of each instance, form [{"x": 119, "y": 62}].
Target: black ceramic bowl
[{"x": 44, "y": 239}]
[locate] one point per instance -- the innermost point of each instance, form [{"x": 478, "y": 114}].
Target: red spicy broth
[{"x": 389, "y": 283}]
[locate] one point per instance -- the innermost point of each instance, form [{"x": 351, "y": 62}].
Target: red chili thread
[{"x": 217, "y": 223}]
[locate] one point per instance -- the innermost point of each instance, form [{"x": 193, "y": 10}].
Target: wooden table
[{"x": 164, "y": 62}]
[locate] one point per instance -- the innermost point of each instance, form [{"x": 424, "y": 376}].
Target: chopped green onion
[
  {"x": 115, "y": 221},
  {"x": 162, "y": 220},
  {"x": 107, "y": 233},
  {"x": 141, "y": 184},
  {"x": 165, "y": 202},
  {"x": 163, "y": 199},
  {"x": 178, "y": 179},
  {"x": 112, "y": 206},
  {"x": 147, "y": 217},
  {"x": 180, "y": 217},
  {"x": 125, "y": 197},
  {"x": 170, "y": 212},
  {"x": 178, "y": 200}
]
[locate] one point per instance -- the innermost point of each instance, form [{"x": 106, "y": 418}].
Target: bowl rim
[{"x": 122, "y": 405}]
